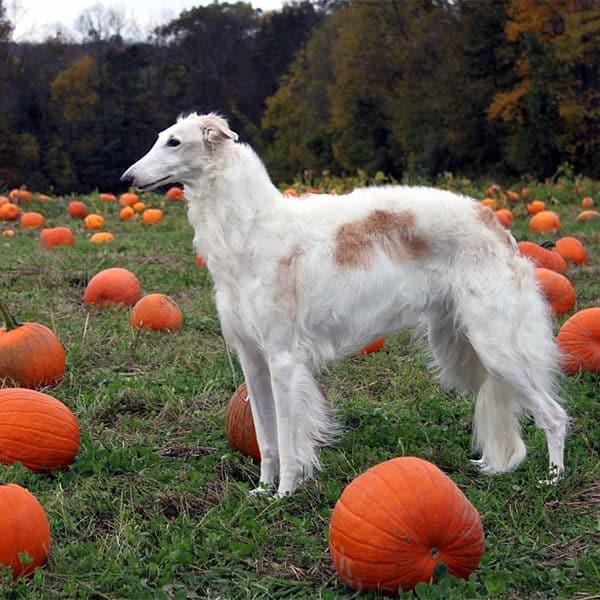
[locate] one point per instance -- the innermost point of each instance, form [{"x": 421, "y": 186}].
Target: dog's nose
[{"x": 127, "y": 178}]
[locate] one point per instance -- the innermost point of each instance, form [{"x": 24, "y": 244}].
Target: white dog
[{"x": 303, "y": 281}]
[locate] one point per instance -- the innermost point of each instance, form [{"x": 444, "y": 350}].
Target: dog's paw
[
  {"x": 263, "y": 490},
  {"x": 554, "y": 476}
]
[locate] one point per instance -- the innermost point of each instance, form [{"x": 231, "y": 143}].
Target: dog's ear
[{"x": 216, "y": 130}]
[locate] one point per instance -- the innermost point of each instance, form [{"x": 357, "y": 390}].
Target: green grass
[{"x": 157, "y": 506}]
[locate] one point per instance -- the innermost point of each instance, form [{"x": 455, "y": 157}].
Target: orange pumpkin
[
  {"x": 44, "y": 198},
  {"x": 8, "y": 233},
  {"x": 20, "y": 194},
  {"x": 584, "y": 215},
  {"x": 30, "y": 353},
  {"x": 94, "y": 221},
  {"x": 152, "y": 216},
  {"x": 56, "y": 236},
  {"x": 570, "y": 248},
  {"x": 490, "y": 203},
  {"x": 512, "y": 196},
  {"x": 24, "y": 529},
  {"x": 541, "y": 257},
  {"x": 102, "y": 237},
  {"x": 200, "y": 262},
  {"x": 77, "y": 209},
  {"x": 558, "y": 290},
  {"x": 108, "y": 198},
  {"x": 9, "y": 212},
  {"x": 546, "y": 220},
  {"x": 175, "y": 193},
  {"x": 112, "y": 286},
  {"x": 397, "y": 521},
  {"x": 525, "y": 192},
  {"x": 32, "y": 220},
  {"x": 36, "y": 430},
  {"x": 239, "y": 425},
  {"x": 535, "y": 207},
  {"x": 587, "y": 202},
  {"x": 128, "y": 199},
  {"x": 289, "y": 192},
  {"x": 126, "y": 213},
  {"x": 504, "y": 216},
  {"x": 375, "y": 346},
  {"x": 157, "y": 312},
  {"x": 139, "y": 207},
  {"x": 579, "y": 341}
]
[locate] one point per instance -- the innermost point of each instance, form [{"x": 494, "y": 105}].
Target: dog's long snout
[{"x": 127, "y": 177}]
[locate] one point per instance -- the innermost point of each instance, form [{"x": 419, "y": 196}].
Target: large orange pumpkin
[
  {"x": 570, "y": 248},
  {"x": 32, "y": 220},
  {"x": 546, "y": 220},
  {"x": 77, "y": 209},
  {"x": 152, "y": 216},
  {"x": 558, "y": 290},
  {"x": 30, "y": 353},
  {"x": 157, "y": 312},
  {"x": 175, "y": 193},
  {"x": 36, "y": 430},
  {"x": 9, "y": 211},
  {"x": 397, "y": 521},
  {"x": 541, "y": 257},
  {"x": 579, "y": 341},
  {"x": 239, "y": 425},
  {"x": 535, "y": 207},
  {"x": 56, "y": 236},
  {"x": 112, "y": 286},
  {"x": 24, "y": 529}
]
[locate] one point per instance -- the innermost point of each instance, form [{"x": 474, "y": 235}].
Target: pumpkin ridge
[{"x": 364, "y": 542}]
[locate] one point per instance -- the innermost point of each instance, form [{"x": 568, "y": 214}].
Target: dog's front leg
[{"x": 258, "y": 381}]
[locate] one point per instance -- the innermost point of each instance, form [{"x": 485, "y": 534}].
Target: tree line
[{"x": 502, "y": 88}]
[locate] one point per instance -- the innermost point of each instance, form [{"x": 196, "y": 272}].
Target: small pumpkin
[
  {"x": 542, "y": 257},
  {"x": 396, "y": 522},
  {"x": 30, "y": 353},
  {"x": 94, "y": 221},
  {"x": 102, "y": 237},
  {"x": 112, "y": 286},
  {"x": 504, "y": 216},
  {"x": 579, "y": 341},
  {"x": 20, "y": 194},
  {"x": 557, "y": 289},
  {"x": 36, "y": 430},
  {"x": 32, "y": 220},
  {"x": 583, "y": 216},
  {"x": 9, "y": 212},
  {"x": 126, "y": 213},
  {"x": 157, "y": 312},
  {"x": 200, "y": 261},
  {"x": 24, "y": 529},
  {"x": 175, "y": 193},
  {"x": 139, "y": 207},
  {"x": 8, "y": 233},
  {"x": 152, "y": 216},
  {"x": 77, "y": 209},
  {"x": 570, "y": 248},
  {"x": 44, "y": 198},
  {"x": 490, "y": 203},
  {"x": 534, "y": 207},
  {"x": 545, "y": 220},
  {"x": 375, "y": 346},
  {"x": 587, "y": 202},
  {"x": 128, "y": 199},
  {"x": 56, "y": 236},
  {"x": 239, "y": 425},
  {"x": 289, "y": 192},
  {"x": 108, "y": 197}
]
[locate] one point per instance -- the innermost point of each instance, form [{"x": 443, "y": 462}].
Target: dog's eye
[{"x": 173, "y": 142}]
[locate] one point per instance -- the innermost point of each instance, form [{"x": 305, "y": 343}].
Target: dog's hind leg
[
  {"x": 262, "y": 404},
  {"x": 303, "y": 421}
]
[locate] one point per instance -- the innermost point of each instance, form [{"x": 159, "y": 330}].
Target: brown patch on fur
[
  {"x": 286, "y": 281},
  {"x": 393, "y": 232},
  {"x": 488, "y": 218}
]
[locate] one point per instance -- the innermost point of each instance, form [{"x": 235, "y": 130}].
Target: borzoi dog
[{"x": 302, "y": 281}]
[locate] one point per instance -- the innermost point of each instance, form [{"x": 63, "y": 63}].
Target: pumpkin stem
[{"x": 9, "y": 320}]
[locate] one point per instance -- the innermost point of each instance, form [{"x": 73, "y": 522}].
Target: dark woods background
[{"x": 502, "y": 88}]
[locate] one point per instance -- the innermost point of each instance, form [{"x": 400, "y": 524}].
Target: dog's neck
[{"x": 228, "y": 202}]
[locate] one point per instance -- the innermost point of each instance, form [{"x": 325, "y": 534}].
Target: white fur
[{"x": 287, "y": 307}]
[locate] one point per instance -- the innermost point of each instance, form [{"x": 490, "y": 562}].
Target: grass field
[{"x": 157, "y": 506}]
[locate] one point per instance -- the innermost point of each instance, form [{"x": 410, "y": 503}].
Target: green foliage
[{"x": 157, "y": 506}]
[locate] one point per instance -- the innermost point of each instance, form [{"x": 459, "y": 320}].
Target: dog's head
[{"x": 182, "y": 152}]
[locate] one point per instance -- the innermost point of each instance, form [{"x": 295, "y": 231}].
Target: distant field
[{"x": 156, "y": 505}]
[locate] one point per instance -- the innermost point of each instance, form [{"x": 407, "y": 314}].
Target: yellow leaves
[{"x": 507, "y": 105}]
